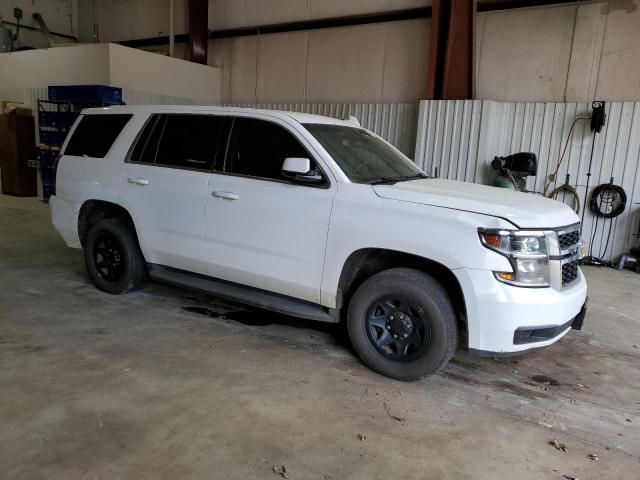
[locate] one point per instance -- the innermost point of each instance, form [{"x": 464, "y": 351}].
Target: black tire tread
[
  {"x": 429, "y": 290},
  {"x": 136, "y": 269}
]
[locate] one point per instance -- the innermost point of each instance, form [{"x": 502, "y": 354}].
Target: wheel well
[
  {"x": 94, "y": 210},
  {"x": 364, "y": 263}
]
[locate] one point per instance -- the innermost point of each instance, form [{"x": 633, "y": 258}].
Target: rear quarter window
[{"x": 95, "y": 134}]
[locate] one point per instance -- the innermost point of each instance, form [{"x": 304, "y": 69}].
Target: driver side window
[{"x": 259, "y": 148}]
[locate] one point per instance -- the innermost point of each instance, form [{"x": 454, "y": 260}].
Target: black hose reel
[{"x": 608, "y": 200}]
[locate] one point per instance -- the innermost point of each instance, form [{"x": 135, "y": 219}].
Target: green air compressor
[{"x": 512, "y": 171}]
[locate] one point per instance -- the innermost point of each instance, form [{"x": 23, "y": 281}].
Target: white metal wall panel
[
  {"x": 395, "y": 122},
  {"x": 135, "y": 97},
  {"x": 458, "y": 140}
]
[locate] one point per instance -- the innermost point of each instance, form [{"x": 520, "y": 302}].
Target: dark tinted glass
[
  {"x": 95, "y": 134},
  {"x": 260, "y": 149},
  {"x": 189, "y": 141},
  {"x": 147, "y": 143}
]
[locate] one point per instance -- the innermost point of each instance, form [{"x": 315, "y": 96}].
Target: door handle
[
  {"x": 225, "y": 195},
  {"x": 138, "y": 180}
]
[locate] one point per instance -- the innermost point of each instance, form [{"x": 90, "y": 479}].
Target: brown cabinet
[{"x": 17, "y": 147}]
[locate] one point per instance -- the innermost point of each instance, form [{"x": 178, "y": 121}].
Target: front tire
[
  {"x": 113, "y": 258},
  {"x": 402, "y": 324}
]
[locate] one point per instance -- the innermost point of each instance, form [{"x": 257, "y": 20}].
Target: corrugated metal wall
[
  {"x": 458, "y": 140},
  {"x": 28, "y": 96},
  {"x": 395, "y": 122}
]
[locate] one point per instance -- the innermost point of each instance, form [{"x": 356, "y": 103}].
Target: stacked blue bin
[{"x": 55, "y": 118}]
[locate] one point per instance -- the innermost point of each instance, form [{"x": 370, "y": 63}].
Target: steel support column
[
  {"x": 451, "y": 69},
  {"x": 198, "y": 30}
]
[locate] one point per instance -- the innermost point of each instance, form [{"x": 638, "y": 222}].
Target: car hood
[{"x": 525, "y": 210}]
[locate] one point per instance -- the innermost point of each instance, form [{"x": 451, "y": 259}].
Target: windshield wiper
[{"x": 396, "y": 179}]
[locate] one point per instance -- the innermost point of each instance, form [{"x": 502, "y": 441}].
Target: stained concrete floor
[{"x": 94, "y": 386}]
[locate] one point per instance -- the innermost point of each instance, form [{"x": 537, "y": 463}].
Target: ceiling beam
[
  {"x": 451, "y": 65},
  {"x": 353, "y": 20},
  {"x": 198, "y": 30}
]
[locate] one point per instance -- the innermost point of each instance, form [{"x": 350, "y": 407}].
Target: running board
[{"x": 243, "y": 294}]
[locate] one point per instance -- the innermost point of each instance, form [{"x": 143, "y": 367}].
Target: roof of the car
[{"x": 297, "y": 116}]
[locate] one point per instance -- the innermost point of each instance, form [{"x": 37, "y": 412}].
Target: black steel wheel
[
  {"x": 112, "y": 256},
  {"x": 108, "y": 255},
  {"x": 398, "y": 328},
  {"x": 402, "y": 324}
]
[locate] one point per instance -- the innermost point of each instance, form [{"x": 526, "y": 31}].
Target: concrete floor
[{"x": 94, "y": 386}]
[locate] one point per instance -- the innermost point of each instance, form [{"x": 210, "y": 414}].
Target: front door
[{"x": 261, "y": 229}]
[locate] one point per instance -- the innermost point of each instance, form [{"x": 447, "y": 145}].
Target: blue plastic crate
[
  {"x": 91, "y": 94},
  {"x": 46, "y": 157},
  {"x": 57, "y": 119},
  {"x": 47, "y": 160},
  {"x": 53, "y": 138}
]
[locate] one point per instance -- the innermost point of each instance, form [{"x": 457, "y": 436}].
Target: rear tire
[
  {"x": 402, "y": 324},
  {"x": 113, "y": 257}
]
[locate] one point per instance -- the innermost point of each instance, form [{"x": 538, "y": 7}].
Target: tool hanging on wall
[
  {"x": 564, "y": 189},
  {"x": 598, "y": 120},
  {"x": 608, "y": 201}
]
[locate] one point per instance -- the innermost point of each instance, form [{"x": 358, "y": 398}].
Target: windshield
[{"x": 362, "y": 156}]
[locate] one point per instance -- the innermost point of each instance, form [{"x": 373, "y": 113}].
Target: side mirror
[{"x": 299, "y": 169}]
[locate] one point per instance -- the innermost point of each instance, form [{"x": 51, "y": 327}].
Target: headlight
[{"x": 527, "y": 252}]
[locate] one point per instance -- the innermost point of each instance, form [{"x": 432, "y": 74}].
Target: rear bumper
[
  {"x": 506, "y": 320},
  {"x": 64, "y": 217}
]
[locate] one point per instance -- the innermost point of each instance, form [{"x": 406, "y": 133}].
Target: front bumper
[{"x": 506, "y": 320}]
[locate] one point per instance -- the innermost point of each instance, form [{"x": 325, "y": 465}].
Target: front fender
[{"x": 360, "y": 219}]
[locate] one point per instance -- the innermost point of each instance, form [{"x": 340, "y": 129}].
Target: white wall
[
  {"x": 61, "y": 16},
  {"x": 74, "y": 65},
  {"x": 376, "y": 63},
  {"x": 533, "y": 54},
  {"x": 142, "y": 71},
  {"x": 131, "y": 19},
  {"x": 552, "y": 53},
  {"x": 110, "y": 64}
]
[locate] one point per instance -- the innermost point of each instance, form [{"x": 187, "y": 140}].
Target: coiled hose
[{"x": 571, "y": 191}]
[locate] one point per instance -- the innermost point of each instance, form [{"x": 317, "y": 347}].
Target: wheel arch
[
  {"x": 366, "y": 262},
  {"x": 93, "y": 210}
]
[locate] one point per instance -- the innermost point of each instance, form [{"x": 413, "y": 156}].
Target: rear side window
[
  {"x": 180, "y": 140},
  {"x": 147, "y": 144},
  {"x": 260, "y": 147},
  {"x": 95, "y": 134}
]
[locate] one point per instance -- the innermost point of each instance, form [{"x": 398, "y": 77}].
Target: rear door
[
  {"x": 164, "y": 186},
  {"x": 262, "y": 229}
]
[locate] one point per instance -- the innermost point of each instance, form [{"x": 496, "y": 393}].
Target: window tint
[
  {"x": 188, "y": 141},
  {"x": 95, "y": 134},
  {"x": 147, "y": 142},
  {"x": 260, "y": 149}
]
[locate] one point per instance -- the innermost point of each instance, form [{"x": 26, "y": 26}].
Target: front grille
[
  {"x": 569, "y": 272},
  {"x": 569, "y": 239}
]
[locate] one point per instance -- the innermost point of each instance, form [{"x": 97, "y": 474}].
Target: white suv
[{"x": 321, "y": 219}]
